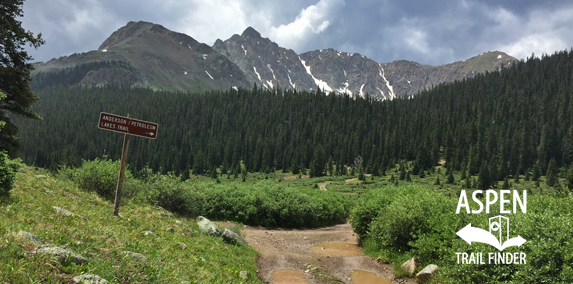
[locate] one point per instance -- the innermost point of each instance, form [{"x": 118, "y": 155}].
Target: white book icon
[
  {"x": 498, "y": 235},
  {"x": 499, "y": 227}
]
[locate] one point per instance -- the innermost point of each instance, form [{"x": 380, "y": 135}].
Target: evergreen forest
[{"x": 513, "y": 121}]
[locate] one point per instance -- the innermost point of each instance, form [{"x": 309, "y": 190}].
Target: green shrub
[
  {"x": 8, "y": 169},
  {"x": 99, "y": 175},
  {"x": 368, "y": 208},
  {"x": 417, "y": 217},
  {"x": 418, "y": 222},
  {"x": 168, "y": 192},
  {"x": 272, "y": 205}
]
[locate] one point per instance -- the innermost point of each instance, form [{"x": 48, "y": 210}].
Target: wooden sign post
[
  {"x": 128, "y": 126},
  {"x": 121, "y": 174}
]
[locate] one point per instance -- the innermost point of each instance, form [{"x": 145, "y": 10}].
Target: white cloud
[
  {"x": 207, "y": 20},
  {"x": 311, "y": 21},
  {"x": 416, "y": 40},
  {"x": 540, "y": 32},
  {"x": 545, "y": 43}
]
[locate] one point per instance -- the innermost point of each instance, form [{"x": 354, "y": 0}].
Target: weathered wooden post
[{"x": 121, "y": 174}]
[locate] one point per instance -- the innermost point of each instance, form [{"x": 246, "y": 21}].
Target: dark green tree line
[{"x": 498, "y": 123}]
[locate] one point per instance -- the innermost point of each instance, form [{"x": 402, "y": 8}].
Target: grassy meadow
[
  {"x": 103, "y": 238},
  {"x": 395, "y": 220}
]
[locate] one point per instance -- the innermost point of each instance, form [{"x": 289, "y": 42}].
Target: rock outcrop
[
  {"x": 208, "y": 227},
  {"x": 427, "y": 273},
  {"x": 61, "y": 254}
]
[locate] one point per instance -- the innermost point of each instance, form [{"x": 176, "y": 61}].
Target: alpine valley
[{"x": 143, "y": 54}]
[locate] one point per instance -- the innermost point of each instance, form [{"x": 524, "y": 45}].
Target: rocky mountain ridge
[{"x": 155, "y": 57}]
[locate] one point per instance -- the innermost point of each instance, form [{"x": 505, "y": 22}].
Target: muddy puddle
[
  {"x": 336, "y": 248},
  {"x": 288, "y": 276},
  {"x": 365, "y": 277}
]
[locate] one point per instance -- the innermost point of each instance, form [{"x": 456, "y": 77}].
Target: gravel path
[{"x": 289, "y": 249}]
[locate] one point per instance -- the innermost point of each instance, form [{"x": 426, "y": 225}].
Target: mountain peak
[
  {"x": 250, "y": 32},
  {"x": 130, "y": 30}
]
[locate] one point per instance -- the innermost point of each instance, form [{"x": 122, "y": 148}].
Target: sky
[{"x": 429, "y": 32}]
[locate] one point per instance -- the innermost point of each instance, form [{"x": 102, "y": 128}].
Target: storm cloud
[{"x": 429, "y": 32}]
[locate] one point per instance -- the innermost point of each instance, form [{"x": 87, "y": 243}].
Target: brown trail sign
[{"x": 128, "y": 126}]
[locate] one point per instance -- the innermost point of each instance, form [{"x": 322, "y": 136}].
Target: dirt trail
[
  {"x": 322, "y": 186},
  {"x": 289, "y": 249}
]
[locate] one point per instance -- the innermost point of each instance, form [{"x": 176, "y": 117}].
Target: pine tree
[
  {"x": 505, "y": 183},
  {"x": 451, "y": 178},
  {"x": 516, "y": 178},
  {"x": 199, "y": 164},
  {"x": 551, "y": 178},
  {"x": 244, "y": 174},
  {"x": 536, "y": 173},
  {"x": 437, "y": 182},
  {"x": 15, "y": 71},
  {"x": 330, "y": 168},
  {"x": 402, "y": 172},
  {"x": 422, "y": 174},
  {"x": 570, "y": 178},
  {"x": 468, "y": 183},
  {"x": 224, "y": 169},
  {"x": 484, "y": 179},
  {"x": 361, "y": 176},
  {"x": 383, "y": 171},
  {"x": 415, "y": 169},
  {"x": 463, "y": 176},
  {"x": 318, "y": 162},
  {"x": 295, "y": 166},
  {"x": 213, "y": 172},
  {"x": 237, "y": 171}
]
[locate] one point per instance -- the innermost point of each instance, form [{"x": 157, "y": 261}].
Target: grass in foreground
[{"x": 103, "y": 238}]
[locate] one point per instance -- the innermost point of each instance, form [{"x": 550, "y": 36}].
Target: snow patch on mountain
[
  {"x": 272, "y": 71},
  {"x": 290, "y": 81},
  {"x": 362, "y": 91},
  {"x": 390, "y": 88},
  {"x": 321, "y": 84},
  {"x": 345, "y": 90},
  {"x": 244, "y": 49},
  {"x": 209, "y": 75},
  {"x": 258, "y": 75},
  {"x": 382, "y": 92}
]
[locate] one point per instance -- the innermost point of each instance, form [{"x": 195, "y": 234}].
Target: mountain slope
[
  {"x": 348, "y": 73},
  {"x": 408, "y": 78},
  {"x": 268, "y": 64},
  {"x": 264, "y": 62},
  {"x": 143, "y": 54},
  {"x": 156, "y": 58}
]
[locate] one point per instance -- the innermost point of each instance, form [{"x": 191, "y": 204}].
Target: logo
[{"x": 498, "y": 235}]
